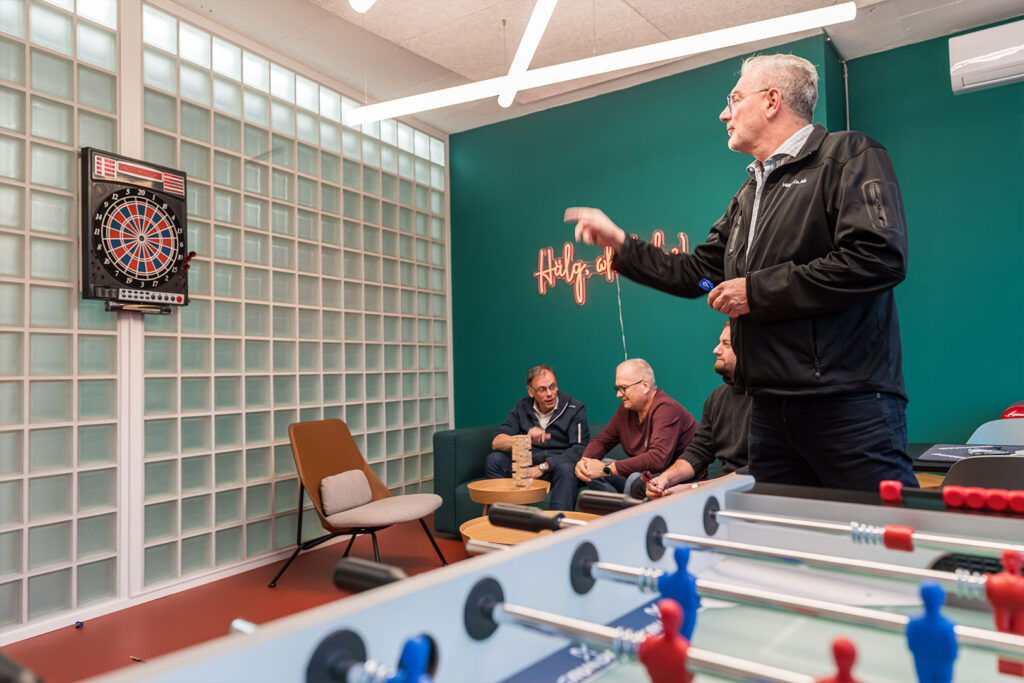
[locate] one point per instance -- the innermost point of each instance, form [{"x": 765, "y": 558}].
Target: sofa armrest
[{"x": 458, "y": 457}]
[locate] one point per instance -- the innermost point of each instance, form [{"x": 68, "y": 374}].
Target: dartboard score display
[{"x": 134, "y": 250}]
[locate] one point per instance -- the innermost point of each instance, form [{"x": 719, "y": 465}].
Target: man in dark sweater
[
  {"x": 653, "y": 429},
  {"x": 557, "y": 426},
  {"x": 722, "y": 432}
]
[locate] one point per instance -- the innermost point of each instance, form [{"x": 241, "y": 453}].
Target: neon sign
[{"x": 575, "y": 272}]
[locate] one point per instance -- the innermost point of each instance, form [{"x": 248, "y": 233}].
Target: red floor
[{"x": 204, "y": 613}]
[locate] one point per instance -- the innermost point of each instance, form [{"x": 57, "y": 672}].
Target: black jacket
[
  {"x": 831, "y": 244},
  {"x": 568, "y": 427}
]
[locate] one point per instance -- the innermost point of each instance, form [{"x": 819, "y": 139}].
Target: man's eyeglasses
[
  {"x": 734, "y": 98},
  {"x": 546, "y": 390},
  {"x": 622, "y": 389}
]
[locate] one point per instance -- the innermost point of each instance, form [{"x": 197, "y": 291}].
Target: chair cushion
[
  {"x": 344, "y": 491},
  {"x": 387, "y": 511}
]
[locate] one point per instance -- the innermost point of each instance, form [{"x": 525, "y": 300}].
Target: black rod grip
[
  {"x": 522, "y": 517},
  {"x": 355, "y": 574},
  {"x": 603, "y": 502}
]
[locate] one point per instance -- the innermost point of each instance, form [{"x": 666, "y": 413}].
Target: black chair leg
[
  {"x": 349, "y": 546},
  {"x": 299, "y": 545},
  {"x": 433, "y": 542},
  {"x": 277, "y": 576},
  {"x": 376, "y": 552}
]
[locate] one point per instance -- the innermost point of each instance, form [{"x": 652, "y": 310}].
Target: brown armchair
[{"x": 347, "y": 496}]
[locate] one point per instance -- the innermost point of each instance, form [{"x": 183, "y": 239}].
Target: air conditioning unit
[{"x": 985, "y": 59}]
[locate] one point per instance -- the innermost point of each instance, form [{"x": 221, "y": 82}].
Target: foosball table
[{"x": 751, "y": 583}]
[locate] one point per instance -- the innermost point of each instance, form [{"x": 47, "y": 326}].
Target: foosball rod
[
  {"x": 966, "y": 583},
  {"x": 647, "y": 580},
  {"x": 867, "y": 533},
  {"x": 624, "y": 642}
]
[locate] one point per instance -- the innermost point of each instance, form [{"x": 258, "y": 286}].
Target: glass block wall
[
  {"x": 59, "y": 466},
  {"x": 318, "y": 291}
]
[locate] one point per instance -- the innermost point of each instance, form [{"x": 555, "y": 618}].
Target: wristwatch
[
  {"x": 544, "y": 467},
  {"x": 607, "y": 470}
]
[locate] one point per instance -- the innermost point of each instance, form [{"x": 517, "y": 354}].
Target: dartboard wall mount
[{"x": 134, "y": 233}]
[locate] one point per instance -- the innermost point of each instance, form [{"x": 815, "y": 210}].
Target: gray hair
[
  {"x": 795, "y": 77},
  {"x": 640, "y": 368},
  {"x": 536, "y": 370}
]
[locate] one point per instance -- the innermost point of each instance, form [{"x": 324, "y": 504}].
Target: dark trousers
[
  {"x": 844, "y": 442},
  {"x": 562, "y": 475},
  {"x": 612, "y": 484}
]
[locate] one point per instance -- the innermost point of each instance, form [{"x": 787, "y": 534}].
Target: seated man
[
  {"x": 557, "y": 426},
  {"x": 652, "y": 428},
  {"x": 722, "y": 432}
]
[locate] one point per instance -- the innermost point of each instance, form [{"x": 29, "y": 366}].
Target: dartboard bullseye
[{"x": 139, "y": 239}]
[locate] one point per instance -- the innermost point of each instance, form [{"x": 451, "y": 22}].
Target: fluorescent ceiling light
[
  {"x": 527, "y": 47},
  {"x": 361, "y": 5},
  {"x": 624, "y": 59}
]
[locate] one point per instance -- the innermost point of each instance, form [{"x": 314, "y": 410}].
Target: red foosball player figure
[
  {"x": 845, "y": 654},
  {"x": 1005, "y": 592},
  {"x": 665, "y": 655}
]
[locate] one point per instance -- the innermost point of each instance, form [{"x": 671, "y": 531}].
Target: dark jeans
[
  {"x": 844, "y": 442},
  {"x": 562, "y": 475},
  {"x": 613, "y": 484}
]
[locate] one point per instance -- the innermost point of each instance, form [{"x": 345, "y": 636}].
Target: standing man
[
  {"x": 804, "y": 262},
  {"x": 557, "y": 426},
  {"x": 722, "y": 432},
  {"x": 652, "y": 427}
]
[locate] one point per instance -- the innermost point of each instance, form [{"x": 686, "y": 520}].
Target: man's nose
[{"x": 725, "y": 114}]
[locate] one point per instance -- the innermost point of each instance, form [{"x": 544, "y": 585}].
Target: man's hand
[
  {"x": 588, "y": 469},
  {"x": 535, "y": 472},
  {"x": 538, "y": 435},
  {"x": 581, "y": 470},
  {"x": 730, "y": 297},
  {"x": 656, "y": 487},
  {"x": 593, "y": 227}
]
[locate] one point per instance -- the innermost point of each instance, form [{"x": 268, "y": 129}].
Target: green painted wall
[{"x": 655, "y": 157}]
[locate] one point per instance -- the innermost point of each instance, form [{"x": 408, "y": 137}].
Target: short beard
[{"x": 723, "y": 371}]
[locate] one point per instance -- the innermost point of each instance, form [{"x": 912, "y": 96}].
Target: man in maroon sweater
[{"x": 653, "y": 429}]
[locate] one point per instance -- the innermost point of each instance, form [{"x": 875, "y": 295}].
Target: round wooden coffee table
[
  {"x": 489, "y": 491},
  {"x": 481, "y": 529}
]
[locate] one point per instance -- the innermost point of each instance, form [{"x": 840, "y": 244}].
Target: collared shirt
[
  {"x": 544, "y": 418},
  {"x": 760, "y": 172}
]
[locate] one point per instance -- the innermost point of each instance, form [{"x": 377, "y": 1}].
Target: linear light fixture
[
  {"x": 527, "y": 47},
  {"x": 361, "y": 6},
  {"x": 614, "y": 61}
]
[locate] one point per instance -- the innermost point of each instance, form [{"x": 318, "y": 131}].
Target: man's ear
[{"x": 774, "y": 104}]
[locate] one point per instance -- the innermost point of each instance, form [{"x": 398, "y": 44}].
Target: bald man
[{"x": 652, "y": 428}]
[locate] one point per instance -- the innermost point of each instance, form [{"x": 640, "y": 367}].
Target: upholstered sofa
[{"x": 459, "y": 459}]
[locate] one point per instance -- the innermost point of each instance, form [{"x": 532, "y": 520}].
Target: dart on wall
[{"x": 134, "y": 234}]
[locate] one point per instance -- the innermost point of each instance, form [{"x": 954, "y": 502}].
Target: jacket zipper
[{"x": 814, "y": 349}]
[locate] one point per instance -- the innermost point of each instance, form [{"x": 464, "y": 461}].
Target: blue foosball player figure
[
  {"x": 681, "y": 586},
  {"x": 415, "y": 662},
  {"x": 931, "y": 638}
]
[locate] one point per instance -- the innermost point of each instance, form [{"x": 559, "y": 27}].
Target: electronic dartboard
[{"x": 134, "y": 247}]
